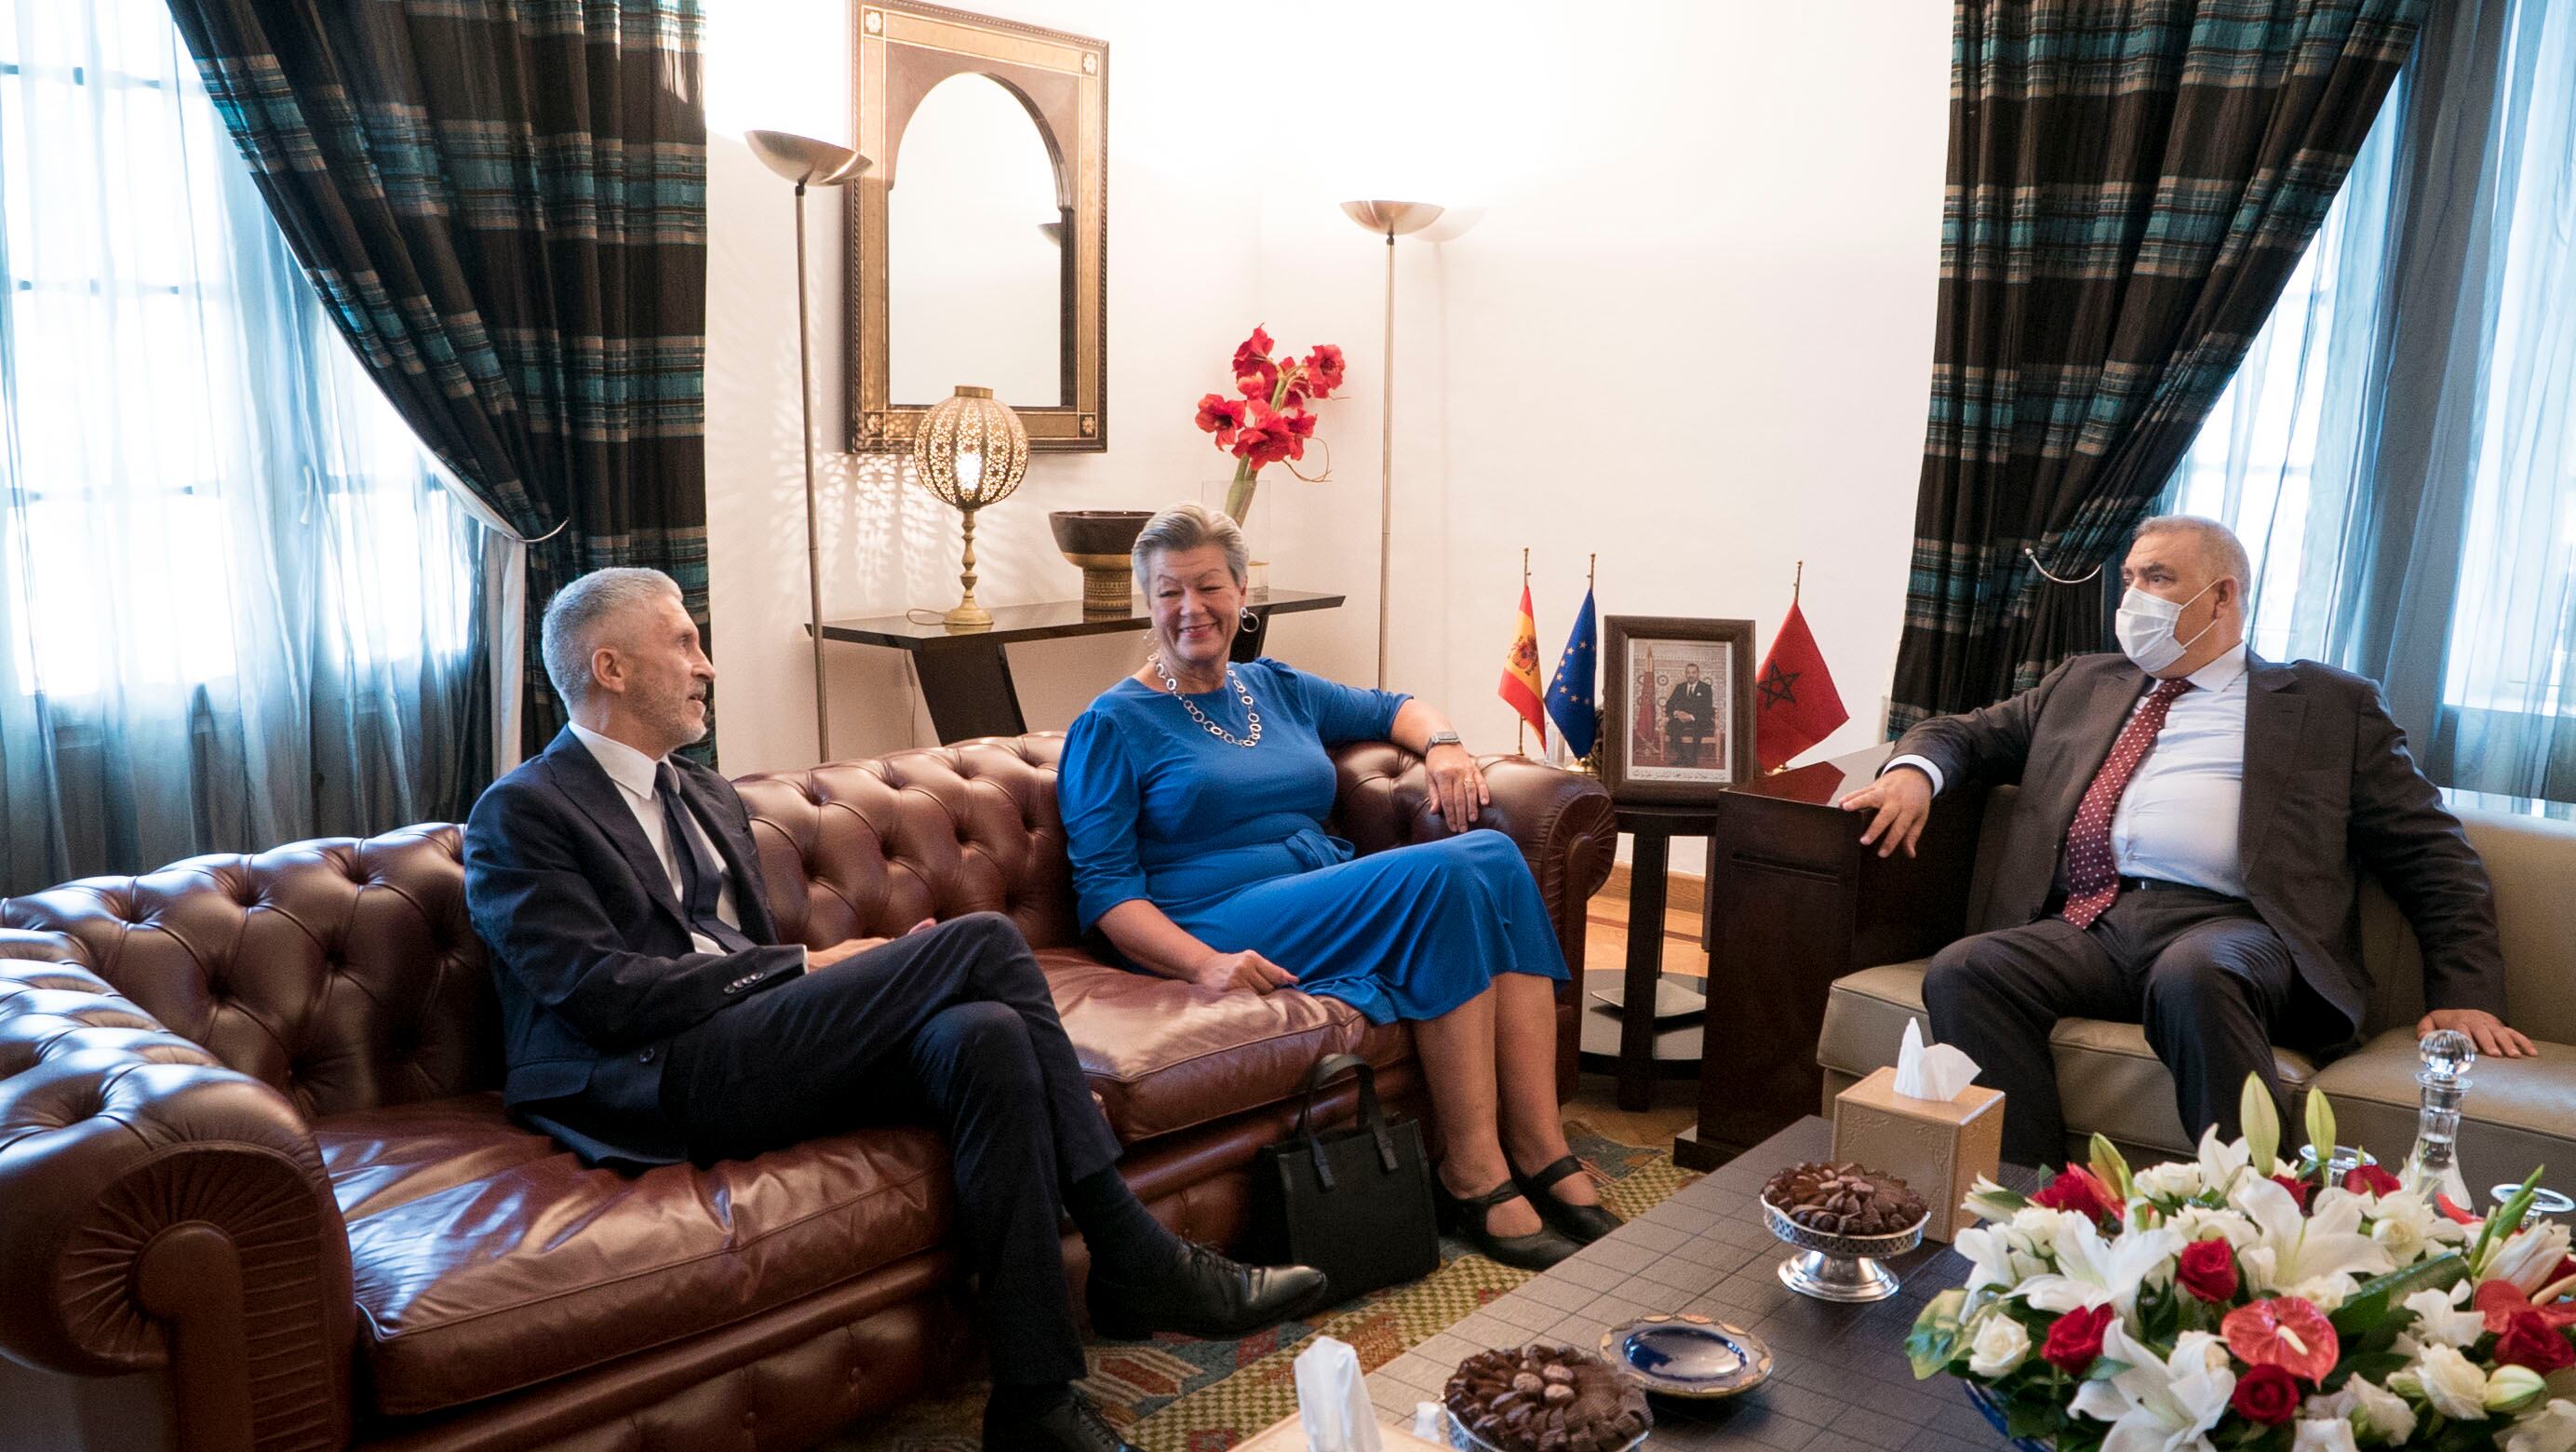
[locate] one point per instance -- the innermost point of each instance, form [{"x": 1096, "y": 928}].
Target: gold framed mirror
[{"x": 979, "y": 240}]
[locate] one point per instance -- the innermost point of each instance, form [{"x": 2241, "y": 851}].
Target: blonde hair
[{"x": 1186, "y": 527}]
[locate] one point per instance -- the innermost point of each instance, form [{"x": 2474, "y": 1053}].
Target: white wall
[{"x": 1681, "y": 316}]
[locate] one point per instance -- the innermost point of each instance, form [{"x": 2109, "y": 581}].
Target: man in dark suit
[
  {"x": 651, "y": 1015},
  {"x": 2183, "y": 853},
  {"x": 1690, "y": 718}
]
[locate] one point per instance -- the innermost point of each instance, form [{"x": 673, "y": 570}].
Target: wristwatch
[{"x": 1441, "y": 738}]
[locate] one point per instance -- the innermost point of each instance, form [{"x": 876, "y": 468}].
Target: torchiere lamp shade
[{"x": 804, "y": 160}]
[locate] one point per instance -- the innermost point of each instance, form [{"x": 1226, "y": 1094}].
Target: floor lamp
[
  {"x": 807, "y": 162},
  {"x": 1394, "y": 219}
]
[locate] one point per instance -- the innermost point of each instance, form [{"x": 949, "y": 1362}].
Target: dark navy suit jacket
[{"x": 595, "y": 967}]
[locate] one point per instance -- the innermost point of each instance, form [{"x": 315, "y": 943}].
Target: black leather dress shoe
[
  {"x": 1071, "y": 1425},
  {"x": 1582, "y": 1224},
  {"x": 1204, "y": 1295},
  {"x": 1470, "y": 1215}
]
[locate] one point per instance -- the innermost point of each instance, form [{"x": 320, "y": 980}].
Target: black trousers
[
  {"x": 953, "y": 1026},
  {"x": 2213, "y": 985}
]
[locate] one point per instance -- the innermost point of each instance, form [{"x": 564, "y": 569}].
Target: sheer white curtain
[{"x": 238, "y": 609}]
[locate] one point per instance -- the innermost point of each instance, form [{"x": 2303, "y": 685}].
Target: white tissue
[
  {"x": 1431, "y": 1422},
  {"x": 1332, "y": 1401},
  {"x": 1938, "y": 1072}
]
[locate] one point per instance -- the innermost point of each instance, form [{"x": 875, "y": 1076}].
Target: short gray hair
[
  {"x": 1186, "y": 527},
  {"x": 2218, "y": 544},
  {"x": 581, "y": 612}
]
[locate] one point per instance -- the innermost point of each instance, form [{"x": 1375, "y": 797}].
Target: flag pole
[
  {"x": 1797, "y": 582},
  {"x": 1520, "y": 724}
]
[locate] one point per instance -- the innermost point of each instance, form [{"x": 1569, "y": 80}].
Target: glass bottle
[{"x": 2432, "y": 1167}]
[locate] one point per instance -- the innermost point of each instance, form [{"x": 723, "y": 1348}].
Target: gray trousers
[{"x": 2213, "y": 985}]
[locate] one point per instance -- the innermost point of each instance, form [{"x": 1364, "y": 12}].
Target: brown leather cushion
[
  {"x": 1165, "y": 1056},
  {"x": 488, "y": 1259}
]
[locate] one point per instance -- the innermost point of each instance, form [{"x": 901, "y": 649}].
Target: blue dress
[{"x": 1229, "y": 842}]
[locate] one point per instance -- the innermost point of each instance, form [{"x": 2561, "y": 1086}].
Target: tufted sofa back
[{"x": 341, "y": 972}]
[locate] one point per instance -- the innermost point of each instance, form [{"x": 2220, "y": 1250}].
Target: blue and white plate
[{"x": 1688, "y": 1356}]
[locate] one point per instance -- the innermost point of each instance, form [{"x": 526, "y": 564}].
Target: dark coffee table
[{"x": 1839, "y": 1380}]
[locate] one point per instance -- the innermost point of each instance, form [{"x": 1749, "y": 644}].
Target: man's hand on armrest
[
  {"x": 818, "y": 959},
  {"x": 2484, "y": 1029},
  {"x": 1902, "y": 800}
]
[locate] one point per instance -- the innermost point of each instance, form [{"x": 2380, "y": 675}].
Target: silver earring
[{"x": 1250, "y": 620}]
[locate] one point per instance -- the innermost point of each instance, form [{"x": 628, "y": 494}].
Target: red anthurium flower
[
  {"x": 2371, "y": 1180},
  {"x": 2532, "y": 1339},
  {"x": 1220, "y": 416},
  {"x": 1256, "y": 347},
  {"x": 2080, "y": 1190},
  {"x": 2500, "y": 1301},
  {"x": 2283, "y": 1331},
  {"x": 2208, "y": 1270},
  {"x": 2266, "y": 1394},
  {"x": 2299, "y": 1189},
  {"x": 2075, "y": 1338},
  {"x": 2451, "y": 1211},
  {"x": 1324, "y": 370}
]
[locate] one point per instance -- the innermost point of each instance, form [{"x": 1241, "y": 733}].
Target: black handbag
[{"x": 1354, "y": 1202}]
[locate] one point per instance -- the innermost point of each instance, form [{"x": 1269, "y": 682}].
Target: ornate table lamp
[
  {"x": 807, "y": 162},
  {"x": 1394, "y": 219},
  {"x": 971, "y": 452}
]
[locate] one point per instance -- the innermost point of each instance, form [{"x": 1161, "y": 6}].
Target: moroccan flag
[
  {"x": 1520, "y": 671},
  {"x": 1569, "y": 696},
  {"x": 1798, "y": 705}
]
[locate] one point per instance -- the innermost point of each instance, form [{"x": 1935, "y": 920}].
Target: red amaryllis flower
[
  {"x": 2075, "y": 1338},
  {"x": 1301, "y": 427},
  {"x": 2208, "y": 1270},
  {"x": 2299, "y": 1189},
  {"x": 2266, "y": 1394},
  {"x": 1265, "y": 438},
  {"x": 2080, "y": 1190},
  {"x": 1324, "y": 370},
  {"x": 2534, "y": 1340},
  {"x": 2284, "y": 1331},
  {"x": 1257, "y": 380},
  {"x": 1256, "y": 347},
  {"x": 2371, "y": 1180},
  {"x": 2500, "y": 1301},
  {"x": 1221, "y": 416}
]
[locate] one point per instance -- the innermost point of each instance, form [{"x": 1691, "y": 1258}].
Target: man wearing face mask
[{"x": 2184, "y": 853}]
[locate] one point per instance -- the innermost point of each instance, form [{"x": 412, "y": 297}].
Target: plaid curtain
[
  {"x": 503, "y": 204},
  {"x": 2131, "y": 183}
]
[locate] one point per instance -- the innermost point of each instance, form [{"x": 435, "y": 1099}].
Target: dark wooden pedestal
[
  {"x": 1652, "y": 830},
  {"x": 966, "y": 676},
  {"x": 1795, "y": 902}
]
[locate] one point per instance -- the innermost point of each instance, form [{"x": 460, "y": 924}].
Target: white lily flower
[
  {"x": 1999, "y": 1347},
  {"x": 2195, "y": 1222},
  {"x": 2172, "y": 1180},
  {"x": 1989, "y": 1201},
  {"x": 2291, "y": 1249},
  {"x": 1990, "y": 1254},
  {"x": 2511, "y": 1388},
  {"x": 2219, "y": 1162},
  {"x": 2040, "y": 1226},
  {"x": 2447, "y": 1381},
  {"x": 2411, "y": 1228},
  {"x": 2333, "y": 1434},
  {"x": 2438, "y": 1318},
  {"x": 2092, "y": 1271},
  {"x": 2157, "y": 1405},
  {"x": 2550, "y": 1429},
  {"x": 2528, "y": 1258},
  {"x": 2372, "y": 1407}
]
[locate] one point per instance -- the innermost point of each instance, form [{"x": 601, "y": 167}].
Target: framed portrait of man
[{"x": 1677, "y": 722}]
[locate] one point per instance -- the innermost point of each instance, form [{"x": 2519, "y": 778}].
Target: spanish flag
[{"x": 1520, "y": 671}]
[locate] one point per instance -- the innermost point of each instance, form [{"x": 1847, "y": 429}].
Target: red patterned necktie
[{"x": 2092, "y": 878}]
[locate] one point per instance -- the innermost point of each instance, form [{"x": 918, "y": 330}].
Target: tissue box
[{"x": 1936, "y": 1148}]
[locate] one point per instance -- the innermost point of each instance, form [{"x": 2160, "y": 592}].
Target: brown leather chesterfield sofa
[{"x": 257, "y": 1189}]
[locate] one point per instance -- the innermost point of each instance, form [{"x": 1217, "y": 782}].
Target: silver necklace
[{"x": 1251, "y": 712}]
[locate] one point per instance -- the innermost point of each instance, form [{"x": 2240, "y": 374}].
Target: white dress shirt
[
  {"x": 633, "y": 772},
  {"x": 2178, "y": 818}
]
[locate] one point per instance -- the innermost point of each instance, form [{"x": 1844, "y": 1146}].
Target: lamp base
[{"x": 968, "y": 616}]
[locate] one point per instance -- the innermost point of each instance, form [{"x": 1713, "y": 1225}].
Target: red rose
[
  {"x": 2266, "y": 1394},
  {"x": 2299, "y": 1190},
  {"x": 1257, "y": 380},
  {"x": 2371, "y": 1180},
  {"x": 1255, "y": 347},
  {"x": 2080, "y": 1190},
  {"x": 2208, "y": 1270},
  {"x": 2075, "y": 1338},
  {"x": 1324, "y": 370},
  {"x": 2530, "y": 1340},
  {"x": 1220, "y": 416}
]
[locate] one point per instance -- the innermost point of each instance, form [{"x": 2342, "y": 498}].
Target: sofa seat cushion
[
  {"x": 2108, "y": 1079},
  {"x": 1165, "y": 1056},
  {"x": 2518, "y": 1114},
  {"x": 487, "y": 1259}
]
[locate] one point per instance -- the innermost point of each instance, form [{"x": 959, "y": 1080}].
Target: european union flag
[{"x": 1570, "y": 699}]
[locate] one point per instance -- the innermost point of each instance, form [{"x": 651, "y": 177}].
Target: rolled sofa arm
[{"x": 163, "y": 1212}]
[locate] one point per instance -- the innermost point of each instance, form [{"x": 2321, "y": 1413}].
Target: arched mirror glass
[{"x": 975, "y": 253}]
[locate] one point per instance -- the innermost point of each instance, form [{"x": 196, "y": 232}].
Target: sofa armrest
[
  {"x": 1562, "y": 821},
  {"x": 164, "y": 1212}
]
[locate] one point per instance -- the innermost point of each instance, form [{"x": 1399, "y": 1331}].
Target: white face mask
[{"x": 2146, "y": 628}]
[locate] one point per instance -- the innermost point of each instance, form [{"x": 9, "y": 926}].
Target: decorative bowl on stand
[
  {"x": 1834, "y": 1267},
  {"x": 1099, "y": 542}
]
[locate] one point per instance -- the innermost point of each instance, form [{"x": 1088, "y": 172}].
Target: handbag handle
[{"x": 1372, "y": 1114}]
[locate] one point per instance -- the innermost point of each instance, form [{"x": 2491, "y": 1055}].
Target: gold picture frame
[
  {"x": 904, "y": 49},
  {"x": 1677, "y": 719}
]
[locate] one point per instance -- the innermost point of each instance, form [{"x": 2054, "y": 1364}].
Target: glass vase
[{"x": 1257, "y": 534}]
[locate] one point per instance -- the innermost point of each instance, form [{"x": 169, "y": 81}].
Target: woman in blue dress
[{"x": 1194, "y": 795}]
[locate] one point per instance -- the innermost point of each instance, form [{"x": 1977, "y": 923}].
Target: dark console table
[
  {"x": 1795, "y": 902},
  {"x": 966, "y": 676}
]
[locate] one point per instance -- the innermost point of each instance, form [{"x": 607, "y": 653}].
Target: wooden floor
[{"x": 1605, "y": 945}]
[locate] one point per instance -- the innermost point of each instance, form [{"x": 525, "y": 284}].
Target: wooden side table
[
  {"x": 1795, "y": 902},
  {"x": 1653, "y": 827}
]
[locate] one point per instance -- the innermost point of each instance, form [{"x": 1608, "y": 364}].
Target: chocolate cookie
[
  {"x": 1844, "y": 1199},
  {"x": 1543, "y": 1398}
]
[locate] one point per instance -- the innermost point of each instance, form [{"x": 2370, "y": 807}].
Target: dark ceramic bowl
[{"x": 1097, "y": 532}]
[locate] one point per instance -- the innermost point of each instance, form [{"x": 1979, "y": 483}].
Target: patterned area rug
[{"x": 1177, "y": 1395}]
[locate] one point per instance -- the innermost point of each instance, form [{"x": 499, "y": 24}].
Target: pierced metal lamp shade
[{"x": 970, "y": 452}]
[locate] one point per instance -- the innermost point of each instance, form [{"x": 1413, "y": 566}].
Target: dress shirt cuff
[{"x": 1920, "y": 764}]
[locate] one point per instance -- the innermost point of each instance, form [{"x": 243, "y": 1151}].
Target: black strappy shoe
[
  {"x": 1582, "y": 1224},
  {"x": 1467, "y": 1216}
]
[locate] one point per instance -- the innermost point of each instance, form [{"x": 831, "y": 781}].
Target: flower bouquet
[
  {"x": 2238, "y": 1301},
  {"x": 1267, "y": 420}
]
